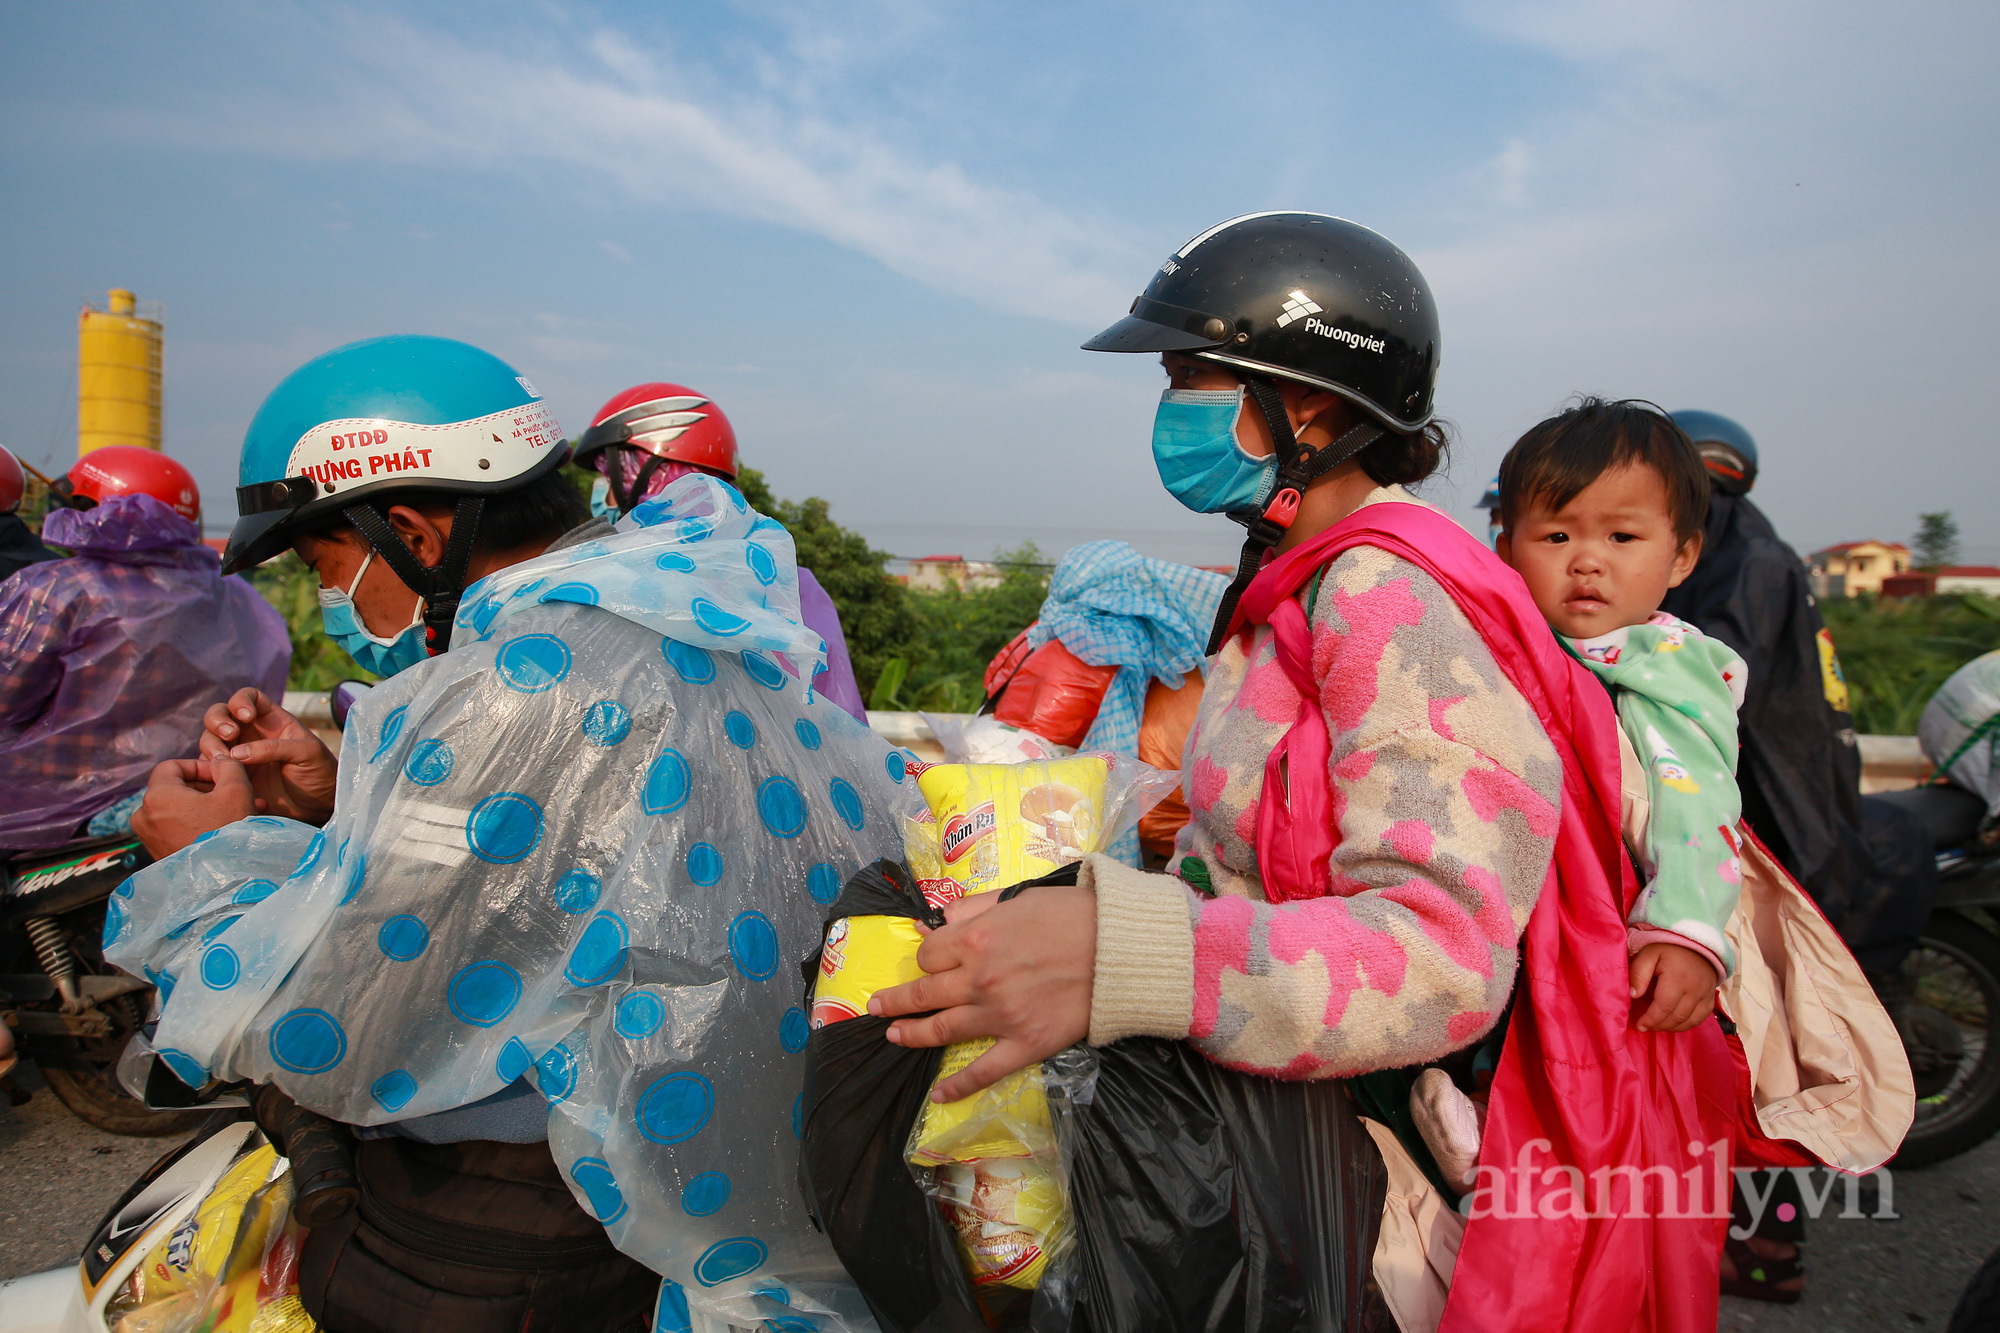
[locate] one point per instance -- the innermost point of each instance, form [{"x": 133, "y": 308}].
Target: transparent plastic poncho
[{"x": 591, "y": 845}]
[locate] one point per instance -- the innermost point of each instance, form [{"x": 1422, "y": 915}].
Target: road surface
[{"x": 1866, "y": 1274}]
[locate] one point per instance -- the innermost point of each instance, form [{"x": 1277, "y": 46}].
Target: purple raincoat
[
  {"x": 820, "y": 615},
  {"x": 109, "y": 659}
]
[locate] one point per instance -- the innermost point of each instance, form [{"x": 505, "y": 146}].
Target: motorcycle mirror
[{"x": 345, "y": 695}]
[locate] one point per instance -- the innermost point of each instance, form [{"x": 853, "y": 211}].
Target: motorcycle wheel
[
  {"x": 95, "y": 1097},
  {"x": 85, "y": 1078},
  {"x": 1955, "y": 971}
]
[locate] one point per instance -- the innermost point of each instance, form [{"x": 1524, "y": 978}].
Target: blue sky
[{"x": 875, "y": 232}]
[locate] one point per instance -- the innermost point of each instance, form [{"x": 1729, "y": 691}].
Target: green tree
[
  {"x": 1936, "y": 540},
  {"x": 876, "y": 612}
]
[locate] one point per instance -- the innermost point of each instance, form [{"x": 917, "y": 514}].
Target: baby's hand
[{"x": 1683, "y": 985}]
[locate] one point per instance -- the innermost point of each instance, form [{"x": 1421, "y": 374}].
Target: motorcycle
[
  {"x": 70, "y": 1011},
  {"x": 1950, "y": 982}
]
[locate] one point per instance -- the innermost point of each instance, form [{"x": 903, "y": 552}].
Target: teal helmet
[
  {"x": 1727, "y": 449},
  {"x": 390, "y": 414}
]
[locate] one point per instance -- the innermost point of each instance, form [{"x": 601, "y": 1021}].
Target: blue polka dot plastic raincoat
[{"x": 590, "y": 844}]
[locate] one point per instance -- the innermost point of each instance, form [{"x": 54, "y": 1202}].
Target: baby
[{"x": 1601, "y": 509}]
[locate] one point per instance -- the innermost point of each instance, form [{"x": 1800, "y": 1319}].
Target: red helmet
[
  {"x": 668, "y": 421},
  {"x": 13, "y": 482},
  {"x": 126, "y": 469}
]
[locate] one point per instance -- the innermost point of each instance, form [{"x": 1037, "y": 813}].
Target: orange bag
[
  {"x": 1007, "y": 661},
  {"x": 1163, "y": 733},
  {"x": 1056, "y": 696}
]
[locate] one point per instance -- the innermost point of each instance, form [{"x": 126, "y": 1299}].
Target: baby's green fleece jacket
[{"x": 1677, "y": 692}]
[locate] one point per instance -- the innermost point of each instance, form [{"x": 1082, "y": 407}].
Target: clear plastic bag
[
  {"x": 988, "y": 1162},
  {"x": 985, "y": 739},
  {"x": 1960, "y": 729}
]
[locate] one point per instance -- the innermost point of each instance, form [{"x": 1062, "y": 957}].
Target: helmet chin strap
[
  {"x": 625, "y": 501},
  {"x": 1299, "y": 465},
  {"x": 440, "y": 585}
]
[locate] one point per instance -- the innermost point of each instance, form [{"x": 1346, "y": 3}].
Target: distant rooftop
[{"x": 1840, "y": 548}]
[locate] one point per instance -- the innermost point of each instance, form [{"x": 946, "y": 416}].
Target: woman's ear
[
  {"x": 1685, "y": 560},
  {"x": 1324, "y": 414}
]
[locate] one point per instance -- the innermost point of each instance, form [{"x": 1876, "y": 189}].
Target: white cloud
[
  {"x": 387, "y": 90},
  {"x": 616, "y": 251},
  {"x": 1779, "y": 214}
]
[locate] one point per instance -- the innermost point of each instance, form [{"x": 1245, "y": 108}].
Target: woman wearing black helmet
[{"x": 1388, "y": 766}]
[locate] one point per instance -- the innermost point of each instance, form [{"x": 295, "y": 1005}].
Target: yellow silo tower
[{"x": 118, "y": 373}]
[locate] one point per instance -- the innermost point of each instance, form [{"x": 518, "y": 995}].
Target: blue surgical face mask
[
  {"x": 1195, "y": 448},
  {"x": 600, "y": 500},
  {"x": 384, "y": 657}
]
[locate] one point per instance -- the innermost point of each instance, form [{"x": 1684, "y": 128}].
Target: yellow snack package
[
  {"x": 192, "y": 1255},
  {"x": 863, "y": 954},
  {"x": 1008, "y": 1217},
  {"x": 231, "y": 1267},
  {"x": 1009, "y": 1119},
  {"x": 1000, "y": 824}
]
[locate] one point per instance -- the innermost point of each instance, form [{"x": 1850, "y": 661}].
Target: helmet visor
[
  {"x": 256, "y": 538},
  {"x": 1155, "y": 326}
]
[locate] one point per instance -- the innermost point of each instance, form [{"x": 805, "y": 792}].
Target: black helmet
[{"x": 1302, "y": 296}]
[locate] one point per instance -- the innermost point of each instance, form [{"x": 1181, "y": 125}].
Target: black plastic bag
[
  {"x": 862, "y": 1094},
  {"x": 1200, "y": 1198}
]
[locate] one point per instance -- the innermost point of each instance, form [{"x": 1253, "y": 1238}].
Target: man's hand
[
  {"x": 1020, "y": 971},
  {"x": 292, "y": 773},
  {"x": 186, "y": 798},
  {"x": 1683, "y": 985}
]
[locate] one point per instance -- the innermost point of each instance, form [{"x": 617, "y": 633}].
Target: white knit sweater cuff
[{"x": 1144, "y": 984}]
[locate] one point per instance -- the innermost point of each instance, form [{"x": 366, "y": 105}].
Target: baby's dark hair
[{"x": 1557, "y": 458}]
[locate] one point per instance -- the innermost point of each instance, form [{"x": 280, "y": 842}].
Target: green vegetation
[
  {"x": 911, "y": 650},
  {"x": 943, "y": 669},
  {"x": 1895, "y": 652}
]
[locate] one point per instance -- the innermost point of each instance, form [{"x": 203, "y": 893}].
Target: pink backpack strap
[{"x": 1295, "y": 833}]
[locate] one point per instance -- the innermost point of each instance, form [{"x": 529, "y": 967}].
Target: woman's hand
[
  {"x": 186, "y": 798},
  {"x": 291, "y": 772},
  {"x": 1020, "y": 971}
]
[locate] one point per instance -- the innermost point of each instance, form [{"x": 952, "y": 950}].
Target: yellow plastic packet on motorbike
[
  {"x": 995, "y": 1167},
  {"x": 231, "y": 1267},
  {"x": 193, "y": 1254},
  {"x": 1000, "y": 824},
  {"x": 1008, "y": 1119}
]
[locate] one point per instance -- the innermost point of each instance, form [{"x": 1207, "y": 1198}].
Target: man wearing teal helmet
[{"x": 525, "y": 937}]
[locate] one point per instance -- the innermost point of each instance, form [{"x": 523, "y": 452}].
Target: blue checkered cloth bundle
[{"x": 1111, "y": 606}]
